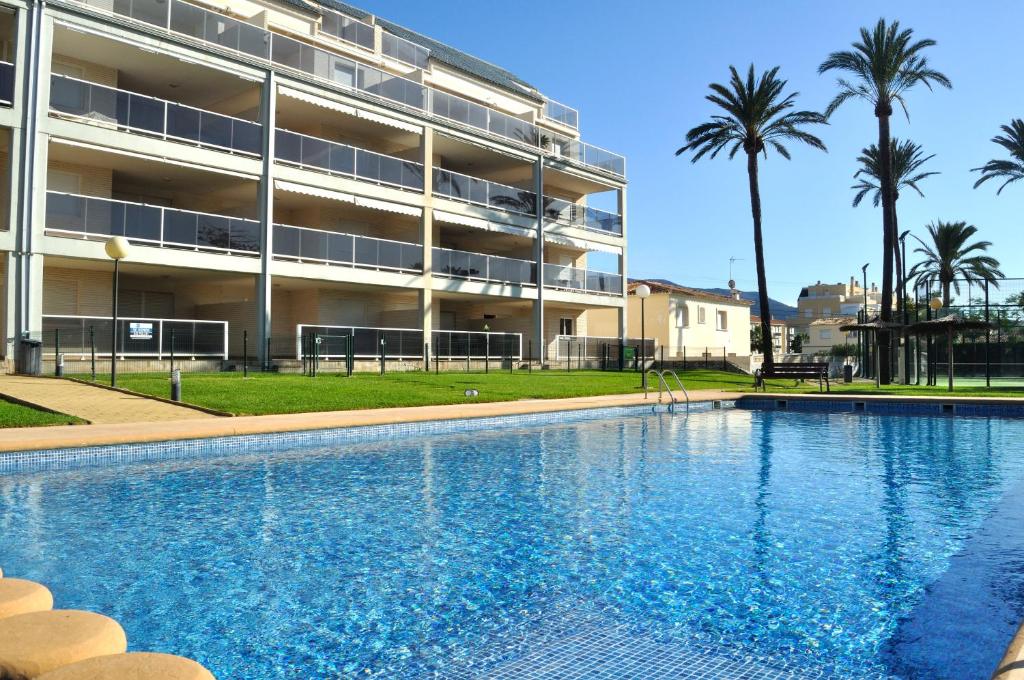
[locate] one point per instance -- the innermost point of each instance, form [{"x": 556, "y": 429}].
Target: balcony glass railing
[
  {"x": 329, "y": 247},
  {"x": 459, "y": 264},
  {"x": 404, "y": 51},
  {"x": 594, "y": 219},
  {"x": 406, "y": 343},
  {"x": 140, "y": 113},
  {"x": 87, "y": 335},
  {"x": 6, "y": 83},
  {"x": 342, "y": 159},
  {"x": 459, "y": 187},
  {"x": 87, "y": 216},
  {"x": 583, "y": 280},
  {"x": 344, "y": 27},
  {"x": 449, "y": 345},
  {"x": 190, "y": 20},
  {"x": 566, "y": 115}
]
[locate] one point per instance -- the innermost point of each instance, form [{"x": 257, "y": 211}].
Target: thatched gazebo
[
  {"x": 949, "y": 325},
  {"x": 873, "y": 326}
]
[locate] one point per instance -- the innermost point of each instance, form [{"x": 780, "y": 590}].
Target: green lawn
[
  {"x": 289, "y": 393},
  {"x": 16, "y": 415}
]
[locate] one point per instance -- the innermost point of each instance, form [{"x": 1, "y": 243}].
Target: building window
[
  {"x": 700, "y": 314},
  {"x": 807, "y": 313},
  {"x": 723, "y": 321},
  {"x": 825, "y": 335},
  {"x": 565, "y": 326},
  {"x": 826, "y": 311},
  {"x": 682, "y": 316}
]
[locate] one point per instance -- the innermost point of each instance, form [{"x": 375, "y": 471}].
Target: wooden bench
[{"x": 810, "y": 371}]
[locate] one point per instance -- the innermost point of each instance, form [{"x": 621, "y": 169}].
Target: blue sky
[{"x": 638, "y": 73}]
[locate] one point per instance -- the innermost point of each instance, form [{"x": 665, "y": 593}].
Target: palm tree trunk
[
  {"x": 885, "y": 160},
  {"x": 762, "y": 279},
  {"x": 901, "y": 297}
]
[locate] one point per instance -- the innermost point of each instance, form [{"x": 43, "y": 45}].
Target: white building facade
[{"x": 281, "y": 167}]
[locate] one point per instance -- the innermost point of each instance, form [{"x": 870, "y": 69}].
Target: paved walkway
[
  {"x": 20, "y": 439},
  {"x": 94, "y": 404}
]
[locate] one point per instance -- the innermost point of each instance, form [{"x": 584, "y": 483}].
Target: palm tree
[
  {"x": 884, "y": 64},
  {"x": 906, "y": 173},
  {"x": 950, "y": 258},
  {"x": 757, "y": 116},
  {"x": 1011, "y": 170}
]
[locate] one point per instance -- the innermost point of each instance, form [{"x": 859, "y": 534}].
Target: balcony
[
  {"x": 100, "y": 218},
  {"x": 123, "y": 110},
  {"x": 458, "y": 264},
  {"x": 341, "y": 159},
  {"x": 459, "y": 187},
  {"x": 6, "y": 83},
  {"x": 182, "y": 18},
  {"x": 404, "y": 51},
  {"x": 560, "y": 113},
  {"x": 581, "y": 280},
  {"x": 582, "y": 216},
  {"x": 303, "y": 244},
  {"x": 347, "y": 29}
]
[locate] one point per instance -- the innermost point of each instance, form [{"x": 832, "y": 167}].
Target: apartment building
[
  {"x": 782, "y": 334},
  {"x": 281, "y": 166},
  {"x": 824, "y": 334},
  {"x": 827, "y": 300}
]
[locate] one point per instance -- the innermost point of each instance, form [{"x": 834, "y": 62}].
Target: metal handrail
[
  {"x": 663, "y": 383},
  {"x": 679, "y": 382}
]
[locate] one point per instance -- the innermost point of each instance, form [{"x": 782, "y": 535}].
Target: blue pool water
[{"x": 652, "y": 545}]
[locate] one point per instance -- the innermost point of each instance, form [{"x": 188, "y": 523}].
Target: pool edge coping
[
  {"x": 20, "y": 440},
  {"x": 1011, "y": 666}
]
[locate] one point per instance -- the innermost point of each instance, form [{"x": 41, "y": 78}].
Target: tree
[
  {"x": 796, "y": 344},
  {"x": 884, "y": 65},
  {"x": 1010, "y": 170},
  {"x": 756, "y": 338},
  {"x": 757, "y": 116},
  {"x": 950, "y": 257},
  {"x": 907, "y": 160}
]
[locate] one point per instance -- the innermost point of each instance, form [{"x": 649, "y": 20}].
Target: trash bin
[
  {"x": 848, "y": 373},
  {"x": 30, "y": 357}
]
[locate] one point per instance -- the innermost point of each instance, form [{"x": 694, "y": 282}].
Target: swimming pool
[{"x": 630, "y": 544}]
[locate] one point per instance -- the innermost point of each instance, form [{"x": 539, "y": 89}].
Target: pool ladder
[{"x": 663, "y": 385}]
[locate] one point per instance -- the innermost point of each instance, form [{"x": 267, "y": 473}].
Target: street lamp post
[
  {"x": 867, "y": 348},
  {"x": 936, "y": 305},
  {"x": 116, "y": 249},
  {"x": 643, "y": 291},
  {"x": 906, "y": 314}
]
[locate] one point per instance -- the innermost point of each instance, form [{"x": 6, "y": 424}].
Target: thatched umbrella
[
  {"x": 873, "y": 326},
  {"x": 950, "y": 324}
]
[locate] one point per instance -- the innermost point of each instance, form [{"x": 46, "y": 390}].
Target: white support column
[
  {"x": 268, "y": 119},
  {"x": 623, "y": 311},
  {"x": 426, "y": 293},
  {"x": 32, "y": 93},
  {"x": 538, "y": 256}
]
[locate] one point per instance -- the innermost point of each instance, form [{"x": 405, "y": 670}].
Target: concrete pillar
[
  {"x": 539, "y": 348},
  {"x": 33, "y": 94},
  {"x": 268, "y": 118},
  {"x": 623, "y": 320},
  {"x": 426, "y": 294}
]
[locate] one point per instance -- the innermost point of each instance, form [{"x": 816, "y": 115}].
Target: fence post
[
  {"x": 383, "y": 353},
  {"x": 245, "y": 353},
  {"x": 725, "y": 359},
  {"x": 303, "y": 349},
  {"x": 684, "y": 357},
  {"x": 707, "y": 358},
  {"x": 437, "y": 357},
  {"x": 172, "y": 350},
  {"x": 988, "y": 335},
  {"x": 57, "y": 369},
  {"x": 508, "y": 351},
  {"x": 529, "y": 361},
  {"x": 579, "y": 356},
  {"x": 92, "y": 350},
  {"x": 426, "y": 357},
  {"x": 266, "y": 357},
  {"x": 487, "y": 353},
  {"x": 662, "y": 362}
]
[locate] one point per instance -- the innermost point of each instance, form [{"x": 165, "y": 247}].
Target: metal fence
[{"x": 980, "y": 357}]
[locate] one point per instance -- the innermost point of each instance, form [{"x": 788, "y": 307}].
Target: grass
[
  {"x": 265, "y": 393},
  {"x": 288, "y": 393},
  {"x": 16, "y": 415}
]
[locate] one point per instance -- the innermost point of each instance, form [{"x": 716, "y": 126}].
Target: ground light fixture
[
  {"x": 117, "y": 249},
  {"x": 643, "y": 291}
]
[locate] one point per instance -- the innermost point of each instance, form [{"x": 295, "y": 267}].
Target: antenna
[{"x": 732, "y": 282}]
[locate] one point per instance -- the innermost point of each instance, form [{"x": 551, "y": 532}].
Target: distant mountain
[{"x": 779, "y": 310}]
